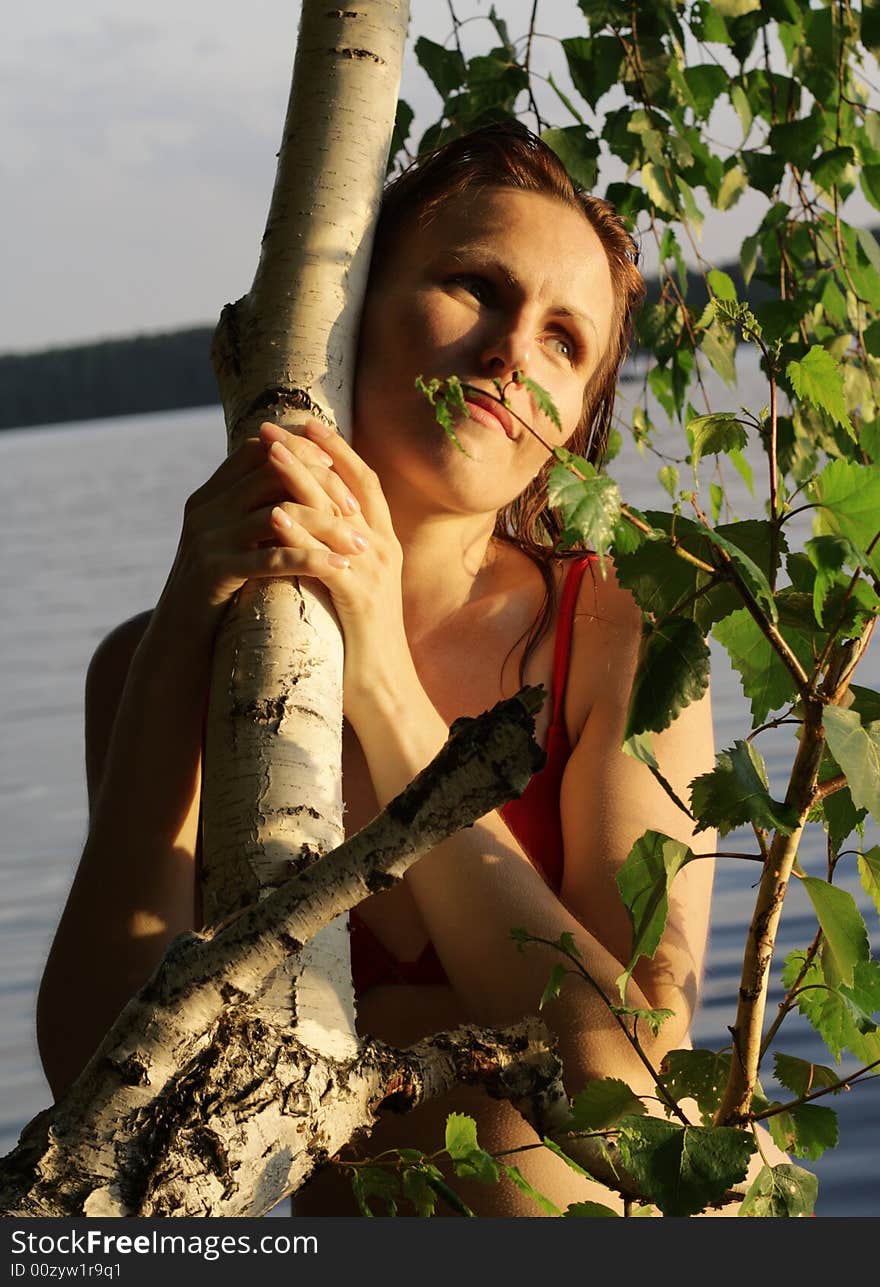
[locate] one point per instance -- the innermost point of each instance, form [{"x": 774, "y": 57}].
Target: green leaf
[
  {"x": 697, "y": 1074},
  {"x": 806, "y": 1131},
  {"x": 445, "y": 67},
  {"x": 417, "y": 1189},
  {"x": 743, "y": 109},
  {"x": 403, "y": 119},
  {"x": 554, "y": 983},
  {"x": 588, "y": 1209},
  {"x": 845, "y": 939},
  {"x": 751, "y": 574},
  {"x": 828, "y": 168},
  {"x": 673, "y": 671},
  {"x": 848, "y": 496},
  {"x": 594, "y": 64},
  {"x": 828, "y": 555},
  {"x": 659, "y": 188},
  {"x": 590, "y": 506},
  {"x": 856, "y": 748},
  {"x": 446, "y": 397},
  {"x": 449, "y": 1196},
  {"x": 869, "y": 873},
  {"x": 869, "y": 181},
  {"x": 818, "y": 379},
  {"x": 461, "y": 1135},
  {"x": 655, "y": 1019},
  {"x": 800, "y": 1076},
  {"x": 797, "y": 140},
  {"x": 733, "y": 185},
  {"x": 737, "y": 792},
  {"x": 706, "y": 82},
  {"x": 375, "y": 1182},
  {"x": 735, "y": 8},
  {"x": 602, "y": 1103},
  {"x": 712, "y": 434},
  {"x": 765, "y": 679},
  {"x": 578, "y": 150},
  {"x": 548, "y": 1207},
  {"x": 682, "y": 1169},
  {"x": 542, "y": 400},
  {"x": 781, "y": 1191},
  {"x": 644, "y": 879},
  {"x": 840, "y": 1023},
  {"x": 667, "y": 476}
]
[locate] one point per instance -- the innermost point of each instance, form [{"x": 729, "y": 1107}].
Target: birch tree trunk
[{"x": 272, "y": 796}]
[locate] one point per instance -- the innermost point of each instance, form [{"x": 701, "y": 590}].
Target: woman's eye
[
  {"x": 475, "y": 286},
  {"x": 563, "y": 346}
]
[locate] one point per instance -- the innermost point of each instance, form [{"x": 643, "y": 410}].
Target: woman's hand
[
  {"x": 229, "y": 534},
  {"x": 336, "y": 526}
]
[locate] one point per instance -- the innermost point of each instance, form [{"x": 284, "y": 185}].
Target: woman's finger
[
  {"x": 293, "y": 525},
  {"x": 362, "y": 481},
  {"x": 316, "y": 486}
]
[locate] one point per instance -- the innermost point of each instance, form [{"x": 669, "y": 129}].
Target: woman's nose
[{"x": 507, "y": 351}]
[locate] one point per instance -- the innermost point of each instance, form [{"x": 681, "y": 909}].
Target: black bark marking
[
  {"x": 359, "y": 53},
  {"x": 132, "y": 1070},
  {"x": 279, "y": 399},
  {"x": 269, "y": 711}
]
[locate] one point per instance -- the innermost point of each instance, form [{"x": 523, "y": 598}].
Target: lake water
[{"x": 89, "y": 518}]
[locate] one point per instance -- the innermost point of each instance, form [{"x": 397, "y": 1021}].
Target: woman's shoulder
[{"x": 116, "y": 649}]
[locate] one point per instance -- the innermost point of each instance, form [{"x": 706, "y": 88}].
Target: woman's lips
[{"x": 491, "y": 418}]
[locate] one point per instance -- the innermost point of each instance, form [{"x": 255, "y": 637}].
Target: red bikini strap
[{"x": 564, "y": 625}]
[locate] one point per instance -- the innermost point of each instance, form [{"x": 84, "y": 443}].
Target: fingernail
[
  {"x": 338, "y": 561},
  {"x": 280, "y": 517},
  {"x": 279, "y": 450},
  {"x": 360, "y": 541},
  {"x": 350, "y": 504},
  {"x": 324, "y": 459}
]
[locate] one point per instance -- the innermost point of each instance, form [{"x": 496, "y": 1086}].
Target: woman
[{"x": 488, "y": 262}]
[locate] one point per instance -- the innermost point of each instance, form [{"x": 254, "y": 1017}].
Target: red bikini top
[{"x": 533, "y": 818}]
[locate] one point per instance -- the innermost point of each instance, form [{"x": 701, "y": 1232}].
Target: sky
[{"x": 137, "y": 153}]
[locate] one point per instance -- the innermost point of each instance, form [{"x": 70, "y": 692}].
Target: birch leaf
[
  {"x": 603, "y": 1102},
  {"x": 845, "y": 939},
  {"x": 817, "y": 378},
  {"x": 800, "y": 1076},
  {"x": 848, "y": 499},
  {"x": 644, "y": 879},
  {"x": 713, "y": 434},
  {"x": 673, "y": 671},
  {"x": 856, "y": 748},
  {"x": 683, "y": 1168},
  {"x": 784, "y": 1190},
  {"x": 590, "y": 506},
  {"x": 806, "y": 1131},
  {"x": 869, "y": 871},
  {"x": 736, "y": 792},
  {"x": 697, "y": 1074}
]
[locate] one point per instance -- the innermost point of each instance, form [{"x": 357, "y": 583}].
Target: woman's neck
[{"x": 448, "y": 562}]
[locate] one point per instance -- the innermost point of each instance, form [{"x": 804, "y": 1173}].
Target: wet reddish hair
[{"x": 508, "y": 155}]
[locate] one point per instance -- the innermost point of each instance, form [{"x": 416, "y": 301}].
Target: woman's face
[{"x": 498, "y": 281}]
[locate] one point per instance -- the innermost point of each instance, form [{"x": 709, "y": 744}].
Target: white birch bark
[{"x": 272, "y": 774}]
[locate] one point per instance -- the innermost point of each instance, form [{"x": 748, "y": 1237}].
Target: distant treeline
[
  {"x": 108, "y": 378},
  {"x": 147, "y": 373}
]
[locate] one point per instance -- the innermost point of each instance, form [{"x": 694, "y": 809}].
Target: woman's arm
[{"x": 145, "y": 697}]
